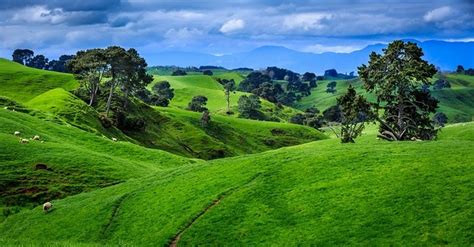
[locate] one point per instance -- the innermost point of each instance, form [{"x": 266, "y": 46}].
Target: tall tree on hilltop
[
  {"x": 89, "y": 68},
  {"x": 229, "y": 86},
  {"x": 116, "y": 58},
  {"x": 134, "y": 76},
  {"x": 22, "y": 56},
  {"x": 396, "y": 78}
]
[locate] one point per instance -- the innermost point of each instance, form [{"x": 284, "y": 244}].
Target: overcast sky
[{"x": 57, "y": 27}]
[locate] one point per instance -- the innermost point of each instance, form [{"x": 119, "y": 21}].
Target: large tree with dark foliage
[
  {"x": 162, "y": 93},
  {"x": 198, "y": 103},
  {"x": 89, "y": 68},
  {"x": 60, "y": 65},
  {"x": 253, "y": 81},
  {"x": 395, "y": 78},
  {"x": 22, "y": 56},
  {"x": 249, "y": 107},
  {"x": 134, "y": 77},
  {"x": 331, "y": 87},
  {"x": 179, "y": 72},
  {"x": 38, "y": 61},
  {"x": 355, "y": 111}
]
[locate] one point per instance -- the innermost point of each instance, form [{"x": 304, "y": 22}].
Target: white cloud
[
  {"x": 306, "y": 21},
  {"x": 439, "y": 14},
  {"x": 318, "y": 48},
  {"x": 232, "y": 26}
]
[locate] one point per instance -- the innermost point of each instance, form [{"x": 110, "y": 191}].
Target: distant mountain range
[{"x": 446, "y": 55}]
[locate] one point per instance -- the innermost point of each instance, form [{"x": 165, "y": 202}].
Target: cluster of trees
[
  {"x": 27, "y": 57},
  {"x": 267, "y": 84},
  {"x": 460, "y": 70},
  {"x": 403, "y": 106},
  {"x": 101, "y": 72},
  {"x": 332, "y": 73}
]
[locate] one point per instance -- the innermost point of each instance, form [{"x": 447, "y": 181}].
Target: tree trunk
[
  {"x": 109, "y": 100},
  {"x": 227, "y": 95}
]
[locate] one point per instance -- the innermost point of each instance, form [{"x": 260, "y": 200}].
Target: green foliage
[
  {"x": 395, "y": 78},
  {"x": 198, "y": 103},
  {"x": 249, "y": 107},
  {"x": 163, "y": 93},
  {"x": 179, "y": 72},
  {"x": 355, "y": 111}
]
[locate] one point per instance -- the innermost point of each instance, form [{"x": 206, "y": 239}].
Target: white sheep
[
  {"x": 17, "y": 133},
  {"x": 6, "y": 107},
  {"x": 24, "y": 141},
  {"x": 36, "y": 137},
  {"x": 47, "y": 206},
  {"x": 114, "y": 139}
]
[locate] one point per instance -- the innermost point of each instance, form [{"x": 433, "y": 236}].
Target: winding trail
[{"x": 174, "y": 241}]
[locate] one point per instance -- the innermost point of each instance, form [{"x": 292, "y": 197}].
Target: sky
[{"x": 55, "y": 27}]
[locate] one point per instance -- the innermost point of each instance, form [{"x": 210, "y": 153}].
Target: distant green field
[{"x": 186, "y": 87}]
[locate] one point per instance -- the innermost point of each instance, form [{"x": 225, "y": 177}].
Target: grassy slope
[
  {"x": 79, "y": 160},
  {"x": 180, "y": 132},
  {"x": 15, "y": 78},
  {"x": 370, "y": 193},
  {"x": 456, "y": 102}
]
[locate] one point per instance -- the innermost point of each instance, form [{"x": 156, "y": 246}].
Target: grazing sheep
[
  {"x": 6, "y": 107},
  {"x": 47, "y": 206},
  {"x": 36, "y": 137},
  {"x": 114, "y": 139},
  {"x": 17, "y": 133},
  {"x": 24, "y": 141}
]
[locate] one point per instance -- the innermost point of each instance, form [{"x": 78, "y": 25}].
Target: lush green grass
[
  {"x": 79, "y": 160},
  {"x": 371, "y": 193},
  {"x": 22, "y": 83}
]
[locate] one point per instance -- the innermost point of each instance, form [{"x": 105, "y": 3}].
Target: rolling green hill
[
  {"x": 371, "y": 193},
  {"x": 173, "y": 130},
  {"x": 138, "y": 192}
]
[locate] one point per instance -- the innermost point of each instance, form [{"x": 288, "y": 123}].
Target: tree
[
  {"x": 441, "y": 83},
  {"x": 395, "y": 79},
  {"x": 89, "y": 68},
  {"x": 134, "y": 76},
  {"x": 460, "y": 69},
  {"x": 61, "y": 64},
  {"x": 308, "y": 76},
  {"x": 163, "y": 93},
  {"x": 22, "y": 56},
  {"x": 333, "y": 114},
  {"x": 207, "y": 72},
  {"x": 178, "y": 72},
  {"x": 253, "y": 81},
  {"x": 331, "y": 73},
  {"x": 205, "y": 118},
  {"x": 38, "y": 61},
  {"x": 331, "y": 87},
  {"x": 298, "y": 118},
  {"x": 249, "y": 107},
  {"x": 116, "y": 58},
  {"x": 440, "y": 119},
  {"x": 355, "y": 110},
  {"x": 229, "y": 87},
  {"x": 198, "y": 103},
  {"x": 313, "y": 118}
]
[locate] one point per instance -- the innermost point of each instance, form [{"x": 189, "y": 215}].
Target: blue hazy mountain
[{"x": 446, "y": 55}]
